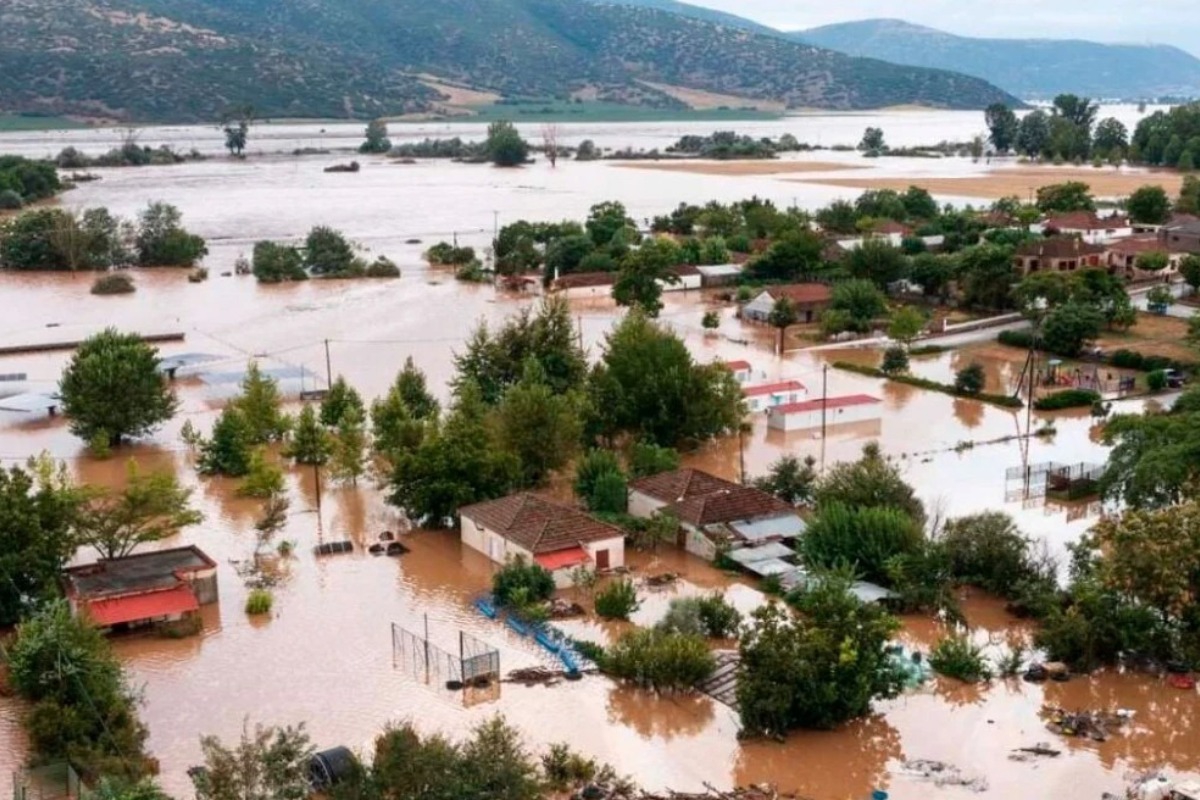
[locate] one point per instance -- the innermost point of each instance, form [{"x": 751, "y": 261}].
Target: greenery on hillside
[
  {"x": 355, "y": 58},
  {"x": 1031, "y": 68}
]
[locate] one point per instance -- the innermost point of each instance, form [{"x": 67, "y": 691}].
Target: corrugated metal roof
[
  {"x": 30, "y": 402},
  {"x": 772, "y": 566},
  {"x": 138, "y": 607},
  {"x": 785, "y": 526},
  {"x": 749, "y": 555},
  {"x": 277, "y": 373}
]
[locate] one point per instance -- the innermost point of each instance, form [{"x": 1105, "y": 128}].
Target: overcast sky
[{"x": 1159, "y": 21}]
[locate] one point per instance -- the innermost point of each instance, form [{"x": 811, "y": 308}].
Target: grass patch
[
  {"x": 259, "y": 601},
  {"x": 35, "y": 122},
  {"x": 956, "y": 657},
  {"x": 1069, "y": 398},
  {"x": 1002, "y": 400},
  {"x": 114, "y": 283}
]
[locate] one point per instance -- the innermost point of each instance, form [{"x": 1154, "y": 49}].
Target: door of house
[{"x": 601, "y": 559}]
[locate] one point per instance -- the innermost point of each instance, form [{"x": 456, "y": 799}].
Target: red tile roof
[
  {"x": 891, "y": 226},
  {"x": 832, "y": 402},
  {"x": 773, "y": 388},
  {"x": 738, "y": 366},
  {"x": 670, "y": 487},
  {"x": 538, "y": 525},
  {"x": 802, "y": 293},
  {"x": 1084, "y": 221},
  {"x": 1136, "y": 245},
  {"x": 139, "y": 607},
  {"x": 732, "y": 505},
  {"x": 562, "y": 559},
  {"x": 580, "y": 280}
]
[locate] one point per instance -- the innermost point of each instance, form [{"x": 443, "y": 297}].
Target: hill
[
  {"x": 1028, "y": 68},
  {"x": 187, "y": 60},
  {"x": 699, "y": 12}
]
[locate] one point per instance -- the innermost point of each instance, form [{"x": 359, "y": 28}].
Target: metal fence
[{"x": 476, "y": 662}]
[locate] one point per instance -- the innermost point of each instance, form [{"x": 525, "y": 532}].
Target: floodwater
[{"x": 325, "y": 657}]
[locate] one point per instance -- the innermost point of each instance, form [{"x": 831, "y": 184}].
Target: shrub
[
  {"x": 970, "y": 379},
  {"x": 610, "y": 494},
  {"x": 448, "y": 255},
  {"x": 647, "y": 458},
  {"x": 989, "y": 551},
  {"x": 259, "y": 601},
  {"x": 861, "y": 537},
  {"x": 275, "y": 263},
  {"x": 956, "y": 656},
  {"x": 895, "y": 360},
  {"x": 1131, "y": 359},
  {"x": 1003, "y": 400},
  {"x": 383, "y": 267},
  {"x": 10, "y": 200},
  {"x": 1022, "y": 339},
  {"x": 565, "y": 769},
  {"x": 1068, "y": 398},
  {"x": 710, "y": 322},
  {"x": 617, "y": 600},
  {"x": 114, "y": 283},
  {"x": 536, "y": 582},
  {"x": 1156, "y": 381},
  {"x": 721, "y": 620},
  {"x": 590, "y": 468},
  {"x": 659, "y": 660}
]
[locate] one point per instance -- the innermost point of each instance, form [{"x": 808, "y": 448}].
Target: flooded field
[{"x": 325, "y": 656}]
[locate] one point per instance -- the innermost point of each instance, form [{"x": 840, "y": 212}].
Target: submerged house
[
  {"x": 559, "y": 538},
  {"x": 767, "y": 396},
  {"x": 143, "y": 589},
  {"x": 831, "y": 411},
  {"x": 809, "y": 300},
  {"x": 715, "y": 515}
]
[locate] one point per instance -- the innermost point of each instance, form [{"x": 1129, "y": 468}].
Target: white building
[
  {"x": 838, "y": 411},
  {"x": 559, "y": 538},
  {"x": 743, "y": 371},
  {"x": 761, "y": 398},
  {"x": 1087, "y": 226}
]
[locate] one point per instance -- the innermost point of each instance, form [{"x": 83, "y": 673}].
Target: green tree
[
  {"x": 895, "y": 360},
  {"x": 818, "y": 669},
  {"x": 377, "y": 140},
  {"x": 1153, "y": 556},
  {"x": 1154, "y": 460},
  {"x": 261, "y": 406},
  {"x": 339, "y": 401},
  {"x": 861, "y": 300},
  {"x": 567, "y": 255},
  {"x": 863, "y": 537},
  {"x": 1111, "y": 138},
  {"x": 495, "y": 765},
  {"x": 1189, "y": 268},
  {"x": 643, "y": 273},
  {"x": 988, "y": 276},
  {"x": 796, "y": 255},
  {"x": 267, "y": 764},
  {"x": 327, "y": 252},
  {"x": 711, "y": 321},
  {"x": 791, "y": 480},
  {"x": 660, "y": 660},
  {"x": 505, "y": 147},
  {"x": 647, "y": 384},
  {"x": 970, "y": 380},
  {"x": 988, "y": 550},
  {"x": 1033, "y": 136},
  {"x": 1153, "y": 261},
  {"x": 783, "y": 315},
  {"x": 590, "y": 468},
  {"x": 81, "y": 707},
  {"x": 276, "y": 263},
  {"x": 150, "y": 507},
  {"x": 495, "y": 361},
  {"x": 872, "y": 480},
  {"x": 873, "y": 143},
  {"x": 112, "y": 388},
  {"x": 610, "y": 494},
  {"x": 457, "y": 463},
  {"x": 1149, "y": 205},
  {"x": 348, "y": 459},
  {"x": 235, "y": 123},
  {"x": 647, "y": 458},
  {"x": 1065, "y": 197},
  {"x": 264, "y": 478},
  {"x": 310, "y": 443},
  {"x": 1003, "y": 127},
  {"x": 162, "y": 242},
  {"x": 38, "y": 511},
  {"x": 605, "y": 220},
  {"x": 539, "y": 426},
  {"x": 906, "y": 325},
  {"x": 1071, "y": 326},
  {"x": 878, "y": 261},
  {"x": 227, "y": 452},
  {"x": 617, "y": 600}
]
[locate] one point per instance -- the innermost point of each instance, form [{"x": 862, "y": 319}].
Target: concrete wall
[
  {"x": 490, "y": 543},
  {"x": 204, "y": 586},
  {"x": 643, "y": 506},
  {"x": 686, "y": 282},
  {"x": 696, "y": 543},
  {"x": 615, "y": 548}
]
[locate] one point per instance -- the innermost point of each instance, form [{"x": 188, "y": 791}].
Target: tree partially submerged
[
  {"x": 267, "y": 763},
  {"x": 151, "y": 507}
]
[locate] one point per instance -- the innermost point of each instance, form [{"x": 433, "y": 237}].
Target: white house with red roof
[
  {"x": 837, "y": 411},
  {"x": 761, "y": 398},
  {"x": 743, "y": 371}
]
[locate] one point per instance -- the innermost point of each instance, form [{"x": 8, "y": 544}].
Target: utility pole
[
  {"x": 741, "y": 455},
  {"x": 328, "y": 367},
  {"x": 317, "y": 482},
  {"x": 824, "y": 407},
  {"x": 427, "y": 648}
]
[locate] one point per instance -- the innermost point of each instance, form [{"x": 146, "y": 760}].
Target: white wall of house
[
  {"x": 759, "y": 308},
  {"x": 1099, "y": 235},
  {"x": 696, "y": 543},
  {"x": 763, "y": 402},
  {"x": 642, "y": 505},
  {"x": 490, "y": 543},
  {"x": 804, "y": 420},
  {"x": 743, "y": 375},
  {"x": 615, "y": 547},
  {"x": 585, "y": 292}
]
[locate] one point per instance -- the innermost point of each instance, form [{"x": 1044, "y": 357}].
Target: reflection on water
[{"x": 324, "y": 655}]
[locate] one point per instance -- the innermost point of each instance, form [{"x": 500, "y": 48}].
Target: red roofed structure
[
  {"x": 770, "y": 395},
  {"x": 831, "y": 411}
]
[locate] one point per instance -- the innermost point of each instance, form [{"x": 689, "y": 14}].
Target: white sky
[{"x": 1159, "y": 21}]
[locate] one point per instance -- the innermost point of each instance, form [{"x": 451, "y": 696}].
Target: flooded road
[{"x": 325, "y": 656}]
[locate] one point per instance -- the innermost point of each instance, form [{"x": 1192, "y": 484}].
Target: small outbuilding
[
  {"x": 808, "y": 299},
  {"x": 143, "y": 589},
  {"x": 742, "y": 371},
  {"x": 559, "y": 538},
  {"x": 830, "y": 411},
  {"x": 770, "y": 395}
]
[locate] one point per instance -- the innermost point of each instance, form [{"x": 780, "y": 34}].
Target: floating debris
[
  {"x": 1094, "y": 725},
  {"x": 1039, "y": 750},
  {"x": 664, "y": 579},
  {"x": 564, "y": 609},
  {"x": 943, "y": 774}
]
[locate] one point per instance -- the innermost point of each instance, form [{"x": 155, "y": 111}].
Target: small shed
[
  {"x": 831, "y": 411},
  {"x": 719, "y": 274},
  {"x": 760, "y": 398},
  {"x": 689, "y": 278}
]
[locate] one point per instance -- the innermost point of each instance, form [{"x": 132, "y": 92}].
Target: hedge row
[
  {"x": 1069, "y": 398},
  {"x": 1125, "y": 359},
  {"x": 921, "y": 383}
]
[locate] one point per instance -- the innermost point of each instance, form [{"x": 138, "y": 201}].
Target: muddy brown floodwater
[{"x": 325, "y": 655}]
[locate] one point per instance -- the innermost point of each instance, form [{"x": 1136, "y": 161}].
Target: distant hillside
[
  {"x": 1028, "y": 68},
  {"x": 185, "y": 60}
]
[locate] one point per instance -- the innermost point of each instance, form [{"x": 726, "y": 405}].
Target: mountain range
[
  {"x": 187, "y": 60},
  {"x": 1029, "y": 68}
]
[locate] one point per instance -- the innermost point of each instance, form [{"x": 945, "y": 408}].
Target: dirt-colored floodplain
[
  {"x": 1021, "y": 182},
  {"x": 741, "y": 167},
  {"x": 701, "y": 100},
  {"x": 1153, "y": 336}
]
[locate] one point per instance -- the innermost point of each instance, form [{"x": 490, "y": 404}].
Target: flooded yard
[{"x": 325, "y": 656}]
